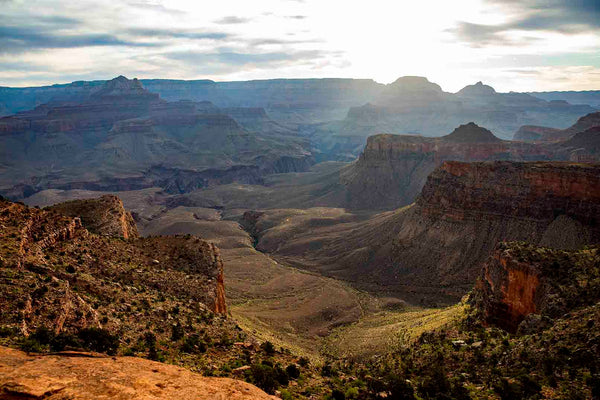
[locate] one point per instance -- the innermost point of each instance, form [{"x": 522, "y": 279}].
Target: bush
[
  {"x": 100, "y": 340},
  {"x": 268, "y": 348},
  {"x": 150, "y": 341},
  {"x": 352, "y": 393},
  {"x": 264, "y": 377},
  {"x": 327, "y": 371},
  {"x": 292, "y": 371},
  {"x": 177, "y": 332},
  {"x": 192, "y": 345},
  {"x": 91, "y": 339},
  {"x": 337, "y": 394},
  {"x": 304, "y": 362},
  {"x": 286, "y": 395}
]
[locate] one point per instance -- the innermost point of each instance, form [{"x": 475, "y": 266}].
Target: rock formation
[
  {"x": 392, "y": 169},
  {"x": 544, "y": 134},
  {"x": 59, "y": 269},
  {"x": 434, "y": 249},
  {"x": 92, "y": 376},
  {"x": 103, "y": 216},
  {"x": 413, "y": 105},
  {"x": 123, "y": 136},
  {"x": 522, "y": 282}
]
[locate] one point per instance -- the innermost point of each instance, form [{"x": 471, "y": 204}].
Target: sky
[{"x": 518, "y": 45}]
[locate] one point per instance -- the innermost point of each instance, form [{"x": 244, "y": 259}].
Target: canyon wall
[
  {"x": 433, "y": 251},
  {"x": 392, "y": 169},
  {"x": 523, "y": 287}
]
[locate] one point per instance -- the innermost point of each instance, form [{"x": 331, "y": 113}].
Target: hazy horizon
[{"x": 530, "y": 45}]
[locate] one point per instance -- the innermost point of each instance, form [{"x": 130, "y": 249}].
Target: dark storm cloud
[
  {"x": 569, "y": 17},
  {"x": 231, "y": 20}
]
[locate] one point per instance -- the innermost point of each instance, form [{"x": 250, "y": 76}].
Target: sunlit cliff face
[{"x": 526, "y": 45}]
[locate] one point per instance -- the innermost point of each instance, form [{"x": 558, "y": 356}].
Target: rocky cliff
[
  {"x": 524, "y": 287},
  {"x": 466, "y": 208},
  {"x": 434, "y": 249},
  {"x": 392, "y": 169},
  {"x": 103, "y": 216},
  {"x": 58, "y": 275}
]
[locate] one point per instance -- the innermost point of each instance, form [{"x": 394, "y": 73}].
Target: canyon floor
[{"x": 286, "y": 300}]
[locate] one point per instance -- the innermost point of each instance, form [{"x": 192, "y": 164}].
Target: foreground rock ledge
[{"x": 86, "y": 376}]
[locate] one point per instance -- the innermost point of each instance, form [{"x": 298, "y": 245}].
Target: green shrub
[
  {"x": 337, "y": 394},
  {"x": 352, "y": 393},
  {"x": 304, "y": 362},
  {"x": 193, "y": 344},
  {"x": 100, "y": 340},
  {"x": 286, "y": 395},
  {"x": 264, "y": 377},
  {"x": 268, "y": 348}
]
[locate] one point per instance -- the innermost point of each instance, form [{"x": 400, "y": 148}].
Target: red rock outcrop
[
  {"x": 392, "y": 169},
  {"x": 521, "y": 279},
  {"x": 539, "y": 191},
  {"x": 512, "y": 290}
]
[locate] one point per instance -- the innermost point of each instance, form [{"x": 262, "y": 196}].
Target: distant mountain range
[{"x": 121, "y": 136}]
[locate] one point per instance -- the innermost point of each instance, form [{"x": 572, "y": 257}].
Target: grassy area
[{"x": 386, "y": 331}]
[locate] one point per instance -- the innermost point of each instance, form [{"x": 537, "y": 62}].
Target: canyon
[
  {"x": 124, "y": 137},
  {"x": 229, "y": 228}
]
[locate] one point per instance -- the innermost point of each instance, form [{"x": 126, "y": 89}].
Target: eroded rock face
[
  {"x": 393, "y": 169},
  {"x": 434, "y": 250},
  {"x": 104, "y": 216},
  {"x": 91, "y": 376},
  {"x": 522, "y": 285},
  {"x": 512, "y": 290},
  {"x": 55, "y": 273},
  {"x": 540, "y": 191}
]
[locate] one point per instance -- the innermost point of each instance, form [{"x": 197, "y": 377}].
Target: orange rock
[{"x": 87, "y": 376}]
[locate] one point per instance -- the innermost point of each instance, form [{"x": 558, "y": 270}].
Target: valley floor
[{"x": 311, "y": 314}]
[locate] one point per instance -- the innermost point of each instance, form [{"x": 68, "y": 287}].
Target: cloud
[
  {"x": 241, "y": 59},
  {"x": 230, "y": 20},
  {"x": 281, "y": 42},
  {"x": 296, "y": 16},
  {"x": 157, "y": 7},
  {"x": 567, "y": 17},
  {"x": 176, "y": 34},
  {"x": 19, "y": 40}
]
